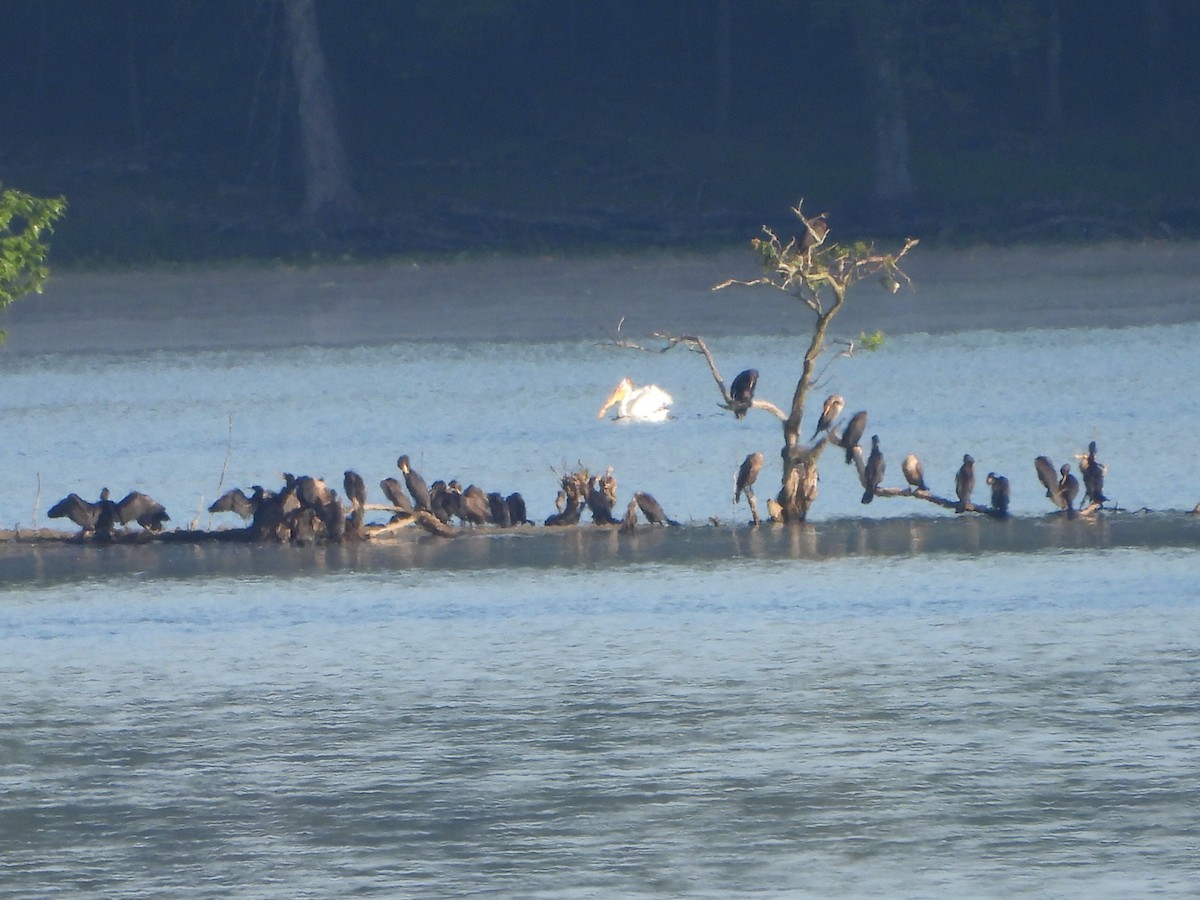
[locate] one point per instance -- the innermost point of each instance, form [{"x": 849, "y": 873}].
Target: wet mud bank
[{"x": 46, "y": 557}]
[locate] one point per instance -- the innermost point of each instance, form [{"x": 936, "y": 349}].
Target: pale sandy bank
[{"x": 554, "y": 299}]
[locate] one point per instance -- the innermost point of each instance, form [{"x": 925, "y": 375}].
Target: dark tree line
[{"x": 562, "y": 119}]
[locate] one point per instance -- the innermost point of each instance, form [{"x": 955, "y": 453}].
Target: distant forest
[{"x": 193, "y": 130}]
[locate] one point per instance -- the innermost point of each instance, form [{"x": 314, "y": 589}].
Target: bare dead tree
[{"x": 819, "y": 274}]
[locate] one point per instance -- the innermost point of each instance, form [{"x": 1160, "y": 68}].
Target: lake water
[{"x": 742, "y": 719}]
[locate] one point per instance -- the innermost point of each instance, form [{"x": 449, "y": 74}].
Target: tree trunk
[
  {"x": 879, "y": 34},
  {"x": 328, "y": 194},
  {"x": 1052, "y": 114},
  {"x": 799, "y": 489},
  {"x": 893, "y": 177},
  {"x": 724, "y": 71}
]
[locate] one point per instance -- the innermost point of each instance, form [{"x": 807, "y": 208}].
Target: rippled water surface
[{"x": 972, "y": 723}]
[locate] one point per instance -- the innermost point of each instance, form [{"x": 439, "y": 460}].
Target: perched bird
[
  {"x": 816, "y": 230},
  {"x": 853, "y": 434},
  {"x": 443, "y": 500},
  {"x": 874, "y": 470},
  {"x": 82, "y": 512},
  {"x": 473, "y": 506},
  {"x": 332, "y": 516},
  {"x": 629, "y": 523},
  {"x": 273, "y": 512},
  {"x": 394, "y": 491},
  {"x": 1049, "y": 479},
  {"x": 1000, "y": 493},
  {"x": 312, "y": 493},
  {"x": 747, "y": 475},
  {"x": 608, "y": 485},
  {"x": 356, "y": 489},
  {"x": 417, "y": 488},
  {"x": 648, "y": 403},
  {"x": 501, "y": 515},
  {"x": 569, "y": 512},
  {"x": 1068, "y": 486},
  {"x": 143, "y": 509},
  {"x": 356, "y": 495},
  {"x": 516, "y": 509},
  {"x": 652, "y": 509},
  {"x": 1093, "y": 476},
  {"x": 742, "y": 391},
  {"x": 833, "y": 407},
  {"x": 601, "y": 501},
  {"x": 236, "y": 501},
  {"x": 964, "y": 482},
  {"x": 914, "y": 474}
]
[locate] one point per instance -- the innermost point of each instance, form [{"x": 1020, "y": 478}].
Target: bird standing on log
[
  {"x": 652, "y": 509},
  {"x": 416, "y": 485},
  {"x": 1093, "y": 476},
  {"x": 964, "y": 483},
  {"x": 1068, "y": 486},
  {"x": 1000, "y": 493}
]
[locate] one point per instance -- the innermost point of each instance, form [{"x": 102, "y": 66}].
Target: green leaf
[{"x": 870, "y": 342}]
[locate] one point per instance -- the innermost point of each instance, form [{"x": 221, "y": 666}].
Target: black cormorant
[
  {"x": 499, "y": 510},
  {"x": 652, "y": 509},
  {"x": 964, "y": 483},
  {"x": 629, "y": 523},
  {"x": 82, "y": 512},
  {"x": 853, "y": 434},
  {"x": 473, "y": 506},
  {"x": 601, "y": 501},
  {"x": 1093, "y": 477},
  {"x": 1000, "y": 493},
  {"x": 416, "y": 485},
  {"x": 394, "y": 491},
  {"x": 516, "y": 509},
  {"x": 1049, "y": 479},
  {"x": 143, "y": 509},
  {"x": 874, "y": 470},
  {"x": 236, "y": 501},
  {"x": 742, "y": 391},
  {"x": 1068, "y": 486},
  {"x": 356, "y": 489}
]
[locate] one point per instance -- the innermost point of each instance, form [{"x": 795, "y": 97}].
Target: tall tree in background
[
  {"x": 328, "y": 193},
  {"x": 880, "y": 32}
]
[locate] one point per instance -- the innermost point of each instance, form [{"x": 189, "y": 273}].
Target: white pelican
[{"x": 648, "y": 403}]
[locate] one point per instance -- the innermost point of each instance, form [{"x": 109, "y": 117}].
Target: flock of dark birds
[
  {"x": 306, "y": 510},
  {"x": 1062, "y": 487}
]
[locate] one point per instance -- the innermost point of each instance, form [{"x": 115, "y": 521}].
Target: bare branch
[
  {"x": 697, "y": 344},
  {"x": 943, "y": 502}
]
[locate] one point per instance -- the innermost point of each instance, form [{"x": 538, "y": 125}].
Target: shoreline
[
  {"x": 548, "y": 299},
  {"x": 46, "y": 556}
]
